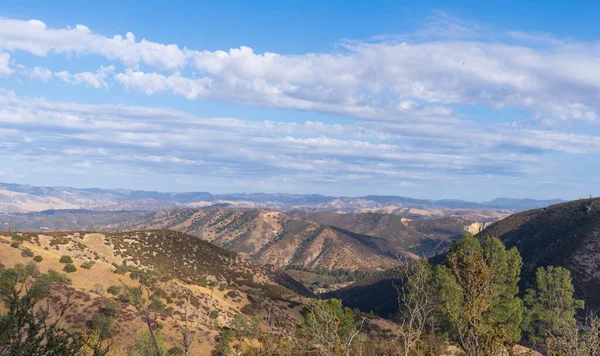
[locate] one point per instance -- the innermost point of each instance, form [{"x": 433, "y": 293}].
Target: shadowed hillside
[
  {"x": 421, "y": 236},
  {"x": 565, "y": 235}
]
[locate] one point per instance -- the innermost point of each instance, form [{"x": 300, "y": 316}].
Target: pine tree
[{"x": 550, "y": 317}]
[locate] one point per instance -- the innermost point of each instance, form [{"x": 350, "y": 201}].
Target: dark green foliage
[
  {"x": 26, "y": 329},
  {"x": 226, "y": 337},
  {"x": 38, "y": 258},
  {"x": 102, "y": 324},
  {"x": 214, "y": 314},
  {"x": 551, "y": 306},
  {"x": 110, "y": 309},
  {"x": 15, "y": 244},
  {"x": 88, "y": 264},
  {"x": 232, "y": 294},
  {"x": 120, "y": 269},
  {"x": 26, "y": 252},
  {"x": 114, "y": 290},
  {"x": 56, "y": 277},
  {"x": 66, "y": 259},
  {"x": 157, "y": 306},
  {"x": 175, "y": 351},
  {"x": 69, "y": 268}
]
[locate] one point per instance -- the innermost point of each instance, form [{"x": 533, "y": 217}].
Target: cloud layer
[{"x": 408, "y": 102}]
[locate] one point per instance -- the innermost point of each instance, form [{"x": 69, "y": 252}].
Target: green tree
[
  {"x": 550, "y": 316},
  {"x": 26, "y": 328},
  {"x": 66, "y": 259},
  {"x": 479, "y": 295},
  {"x": 148, "y": 345}
]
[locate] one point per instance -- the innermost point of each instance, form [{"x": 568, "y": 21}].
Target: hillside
[
  {"x": 272, "y": 237},
  {"x": 65, "y": 220},
  {"x": 421, "y": 236},
  {"x": 565, "y": 235},
  {"x": 188, "y": 267}
]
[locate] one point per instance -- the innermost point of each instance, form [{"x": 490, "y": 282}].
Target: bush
[
  {"x": 175, "y": 351},
  {"x": 27, "y": 253},
  {"x": 38, "y": 258},
  {"x": 110, "y": 309},
  {"x": 157, "y": 306},
  {"x": 69, "y": 268},
  {"x": 232, "y": 294},
  {"x": 214, "y": 314},
  {"x": 66, "y": 259},
  {"x": 114, "y": 290},
  {"x": 87, "y": 265},
  {"x": 15, "y": 244},
  {"x": 56, "y": 277},
  {"x": 122, "y": 269}
]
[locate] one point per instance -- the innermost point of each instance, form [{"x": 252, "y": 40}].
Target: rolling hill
[
  {"x": 421, "y": 236},
  {"x": 272, "y": 238},
  {"x": 188, "y": 267}
]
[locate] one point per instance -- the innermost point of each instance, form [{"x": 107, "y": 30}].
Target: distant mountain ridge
[{"x": 26, "y": 198}]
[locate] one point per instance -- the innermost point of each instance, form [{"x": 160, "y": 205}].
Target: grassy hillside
[
  {"x": 273, "y": 238},
  {"x": 219, "y": 281}
]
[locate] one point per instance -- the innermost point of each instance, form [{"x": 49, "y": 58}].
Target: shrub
[
  {"x": 214, "y": 314},
  {"x": 160, "y": 293},
  {"x": 38, "y": 258},
  {"x": 27, "y": 253},
  {"x": 56, "y": 277},
  {"x": 232, "y": 294},
  {"x": 114, "y": 290},
  {"x": 66, "y": 259},
  {"x": 69, "y": 268},
  {"x": 248, "y": 309},
  {"x": 87, "y": 265},
  {"x": 157, "y": 306},
  {"x": 110, "y": 309},
  {"x": 15, "y": 244},
  {"x": 120, "y": 269},
  {"x": 175, "y": 351}
]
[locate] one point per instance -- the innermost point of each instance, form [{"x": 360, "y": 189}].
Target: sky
[{"x": 457, "y": 100}]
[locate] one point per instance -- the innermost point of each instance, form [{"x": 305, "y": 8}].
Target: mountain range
[{"x": 16, "y": 198}]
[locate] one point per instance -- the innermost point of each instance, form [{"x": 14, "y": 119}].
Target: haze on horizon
[{"x": 469, "y": 102}]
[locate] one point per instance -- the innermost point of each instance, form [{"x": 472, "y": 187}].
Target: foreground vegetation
[{"x": 471, "y": 301}]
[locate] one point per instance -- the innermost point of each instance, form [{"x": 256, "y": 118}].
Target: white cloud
[
  {"x": 5, "y": 69},
  {"x": 96, "y": 80},
  {"x": 43, "y": 74},
  {"x": 35, "y": 37},
  {"x": 422, "y": 78}
]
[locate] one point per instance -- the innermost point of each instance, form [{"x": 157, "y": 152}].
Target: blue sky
[{"x": 469, "y": 100}]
